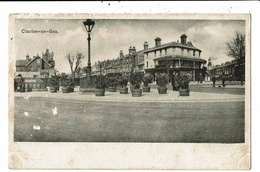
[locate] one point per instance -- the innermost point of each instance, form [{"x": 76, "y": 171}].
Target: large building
[
  {"x": 167, "y": 58},
  {"x": 36, "y": 66},
  {"x": 174, "y": 57}
]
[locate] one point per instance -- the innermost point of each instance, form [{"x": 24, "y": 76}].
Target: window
[
  {"x": 146, "y": 64},
  {"x": 38, "y": 61},
  {"x": 182, "y": 51},
  {"x": 165, "y": 51},
  {"x": 193, "y": 52},
  {"x": 154, "y": 53}
]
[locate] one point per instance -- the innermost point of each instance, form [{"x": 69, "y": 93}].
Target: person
[
  {"x": 223, "y": 80},
  {"x": 200, "y": 78},
  {"x": 21, "y": 85},
  {"x": 174, "y": 82},
  {"x": 15, "y": 85},
  {"x": 214, "y": 80}
]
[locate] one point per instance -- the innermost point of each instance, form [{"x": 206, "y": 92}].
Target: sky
[{"x": 109, "y": 36}]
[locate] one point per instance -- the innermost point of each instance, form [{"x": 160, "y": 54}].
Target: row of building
[
  {"x": 161, "y": 58},
  {"x": 168, "y": 58},
  {"x": 232, "y": 70}
]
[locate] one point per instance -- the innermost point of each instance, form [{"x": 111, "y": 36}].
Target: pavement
[{"x": 153, "y": 96}]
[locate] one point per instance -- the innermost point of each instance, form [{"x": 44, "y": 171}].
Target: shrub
[
  {"x": 64, "y": 80},
  {"x": 147, "y": 78},
  {"x": 100, "y": 81},
  {"x": 112, "y": 79},
  {"x": 136, "y": 80},
  {"x": 162, "y": 79},
  {"x": 122, "y": 81},
  {"x": 184, "y": 80}
]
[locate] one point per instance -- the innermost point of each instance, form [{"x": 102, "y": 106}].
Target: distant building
[
  {"x": 122, "y": 64},
  {"x": 36, "y": 66},
  {"x": 230, "y": 70},
  {"x": 174, "y": 57}
]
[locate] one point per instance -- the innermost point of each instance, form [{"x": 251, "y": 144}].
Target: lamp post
[{"x": 89, "y": 24}]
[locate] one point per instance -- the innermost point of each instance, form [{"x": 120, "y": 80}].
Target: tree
[
  {"x": 236, "y": 49},
  {"x": 74, "y": 62}
]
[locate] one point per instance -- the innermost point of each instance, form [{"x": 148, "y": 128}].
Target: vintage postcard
[{"x": 129, "y": 91}]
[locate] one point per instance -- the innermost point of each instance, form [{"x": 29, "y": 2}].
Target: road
[{"x": 102, "y": 121}]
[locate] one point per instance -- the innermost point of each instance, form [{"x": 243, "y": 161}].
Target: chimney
[
  {"x": 132, "y": 50},
  {"x": 27, "y": 57},
  {"x": 183, "y": 38},
  {"x": 189, "y": 43},
  {"x": 145, "y": 45},
  {"x": 121, "y": 55},
  {"x": 157, "y": 42}
]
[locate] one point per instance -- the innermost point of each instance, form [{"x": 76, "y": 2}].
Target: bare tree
[
  {"x": 74, "y": 62},
  {"x": 236, "y": 49}
]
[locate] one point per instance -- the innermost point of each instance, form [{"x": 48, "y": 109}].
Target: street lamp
[{"x": 89, "y": 24}]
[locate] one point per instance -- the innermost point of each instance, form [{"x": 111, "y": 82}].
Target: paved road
[{"x": 103, "y": 121}]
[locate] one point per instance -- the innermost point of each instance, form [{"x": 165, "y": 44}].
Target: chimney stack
[
  {"x": 132, "y": 50},
  {"x": 121, "y": 55},
  {"x": 27, "y": 57},
  {"x": 157, "y": 42},
  {"x": 145, "y": 45},
  {"x": 183, "y": 38}
]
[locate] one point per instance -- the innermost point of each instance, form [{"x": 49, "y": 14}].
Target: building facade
[
  {"x": 174, "y": 57},
  {"x": 122, "y": 64},
  {"x": 36, "y": 66},
  {"x": 231, "y": 70},
  {"x": 162, "y": 58}
]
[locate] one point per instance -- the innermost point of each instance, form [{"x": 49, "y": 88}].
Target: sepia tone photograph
[{"x": 94, "y": 79}]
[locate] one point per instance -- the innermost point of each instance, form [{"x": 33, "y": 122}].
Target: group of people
[{"x": 222, "y": 79}]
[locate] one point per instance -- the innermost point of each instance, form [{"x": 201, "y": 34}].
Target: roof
[
  {"x": 224, "y": 65},
  {"x": 35, "y": 59},
  {"x": 170, "y": 57},
  {"x": 172, "y": 44},
  {"x": 21, "y": 62}
]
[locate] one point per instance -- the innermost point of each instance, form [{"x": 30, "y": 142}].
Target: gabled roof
[
  {"x": 32, "y": 60},
  {"x": 172, "y": 44},
  {"x": 35, "y": 59}
]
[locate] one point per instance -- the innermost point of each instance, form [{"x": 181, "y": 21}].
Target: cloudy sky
[{"x": 109, "y": 36}]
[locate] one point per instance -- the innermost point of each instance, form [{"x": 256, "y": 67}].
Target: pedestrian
[
  {"x": 201, "y": 78},
  {"x": 174, "y": 81},
  {"x": 15, "y": 85},
  {"x": 223, "y": 80},
  {"x": 21, "y": 85},
  {"x": 213, "y": 80}
]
